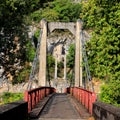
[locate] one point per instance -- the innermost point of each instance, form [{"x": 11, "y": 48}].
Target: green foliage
[
  {"x": 50, "y": 61},
  {"x": 104, "y": 45},
  {"x": 70, "y": 78},
  {"x": 50, "y": 14},
  {"x": 103, "y": 17},
  {"x": 14, "y": 40},
  {"x": 11, "y": 97},
  {"x": 60, "y": 67},
  {"x": 71, "y": 63},
  {"x": 27, "y": 56},
  {"x": 12, "y": 12},
  {"x": 36, "y": 16},
  {"x": 111, "y": 93},
  {"x": 97, "y": 13},
  {"x": 30, "y": 52},
  {"x": 37, "y": 33},
  {"x": 50, "y": 66},
  {"x": 67, "y": 10},
  {"x": 22, "y": 75},
  {"x": 58, "y": 10},
  {"x": 71, "y": 56}
]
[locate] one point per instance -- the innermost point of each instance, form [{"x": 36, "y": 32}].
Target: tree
[
  {"x": 110, "y": 93},
  {"x": 50, "y": 67},
  {"x": 15, "y": 49},
  {"x": 58, "y": 10},
  {"x": 67, "y": 10},
  {"x": 71, "y": 56},
  {"x": 70, "y": 63},
  {"x": 14, "y": 36},
  {"x": 103, "y": 18},
  {"x": 60, "y": 66}
]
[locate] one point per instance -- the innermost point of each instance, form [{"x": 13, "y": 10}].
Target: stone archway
[{"x": 75, "y": 29}]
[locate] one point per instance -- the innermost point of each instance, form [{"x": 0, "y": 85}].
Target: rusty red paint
[
  {"x": 85, "y": 97},
  {"x": 35, "y": 95}
]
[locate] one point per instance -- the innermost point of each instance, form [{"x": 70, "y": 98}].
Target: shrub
[{"x": 11, "y": 97}]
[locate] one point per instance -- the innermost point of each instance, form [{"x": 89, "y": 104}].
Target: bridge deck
[{"x": 63, "y": 107}]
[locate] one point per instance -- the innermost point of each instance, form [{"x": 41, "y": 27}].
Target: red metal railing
[
  {"x": 35, "y": 95},
  {"x": 85, "y": 97}
]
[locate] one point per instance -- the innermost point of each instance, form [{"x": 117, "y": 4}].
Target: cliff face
[
  {"x": 1, "y": 70},
  {"x": 58, "y": 44}
]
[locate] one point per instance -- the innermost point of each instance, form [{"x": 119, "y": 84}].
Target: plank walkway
[{"x": 62, "y": 107}]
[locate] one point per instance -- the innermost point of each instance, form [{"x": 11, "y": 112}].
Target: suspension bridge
[
  {"x": 39, "y": 73},
  {"x": 62, "y": 102}
]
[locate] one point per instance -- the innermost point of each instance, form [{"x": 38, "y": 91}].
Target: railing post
[
  {"x": 26, "y": 96},
  {"x": 33, "y": 99},
  {"x": 85, "y": 97},
  {"x": 93, "y": 100},
  {"x": 35, "y": 95},
  {"x": 28, "y": 100}
]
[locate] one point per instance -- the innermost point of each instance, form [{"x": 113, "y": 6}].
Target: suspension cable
[
  {"x": 85, "y": 59},
  {"x": 35, "y": 63}
]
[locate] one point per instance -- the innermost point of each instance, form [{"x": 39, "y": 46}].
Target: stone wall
[
  {"x": 103, "y": 111},
  {"x": 14, "y": 111}
]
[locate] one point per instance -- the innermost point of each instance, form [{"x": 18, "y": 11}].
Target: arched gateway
[{"x": 75, "y": 29}]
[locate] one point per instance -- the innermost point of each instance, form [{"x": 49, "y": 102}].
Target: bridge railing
[
  {"x": 35, "y": 95},
  {"x": 85, "y": 97}
]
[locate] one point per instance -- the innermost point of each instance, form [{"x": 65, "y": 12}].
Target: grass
[{"x": 7, "y": 97}]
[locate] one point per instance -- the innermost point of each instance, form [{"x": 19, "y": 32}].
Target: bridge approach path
[{"x": 63, "y": 107}]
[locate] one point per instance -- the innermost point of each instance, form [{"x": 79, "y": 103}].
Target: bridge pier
[
  {"x": 42, "y": 57},
  {"x": 78, "y": 55}
]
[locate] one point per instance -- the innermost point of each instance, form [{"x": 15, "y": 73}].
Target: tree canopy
[
  {"x": 14, "y": 43},
  {"x": 103, "y": 18},
  {"x": 71, "y": 56},
  {"x": 71, "y": 63},
  {"x": 58, "y": 10}
]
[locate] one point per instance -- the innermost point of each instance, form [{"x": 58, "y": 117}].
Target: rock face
[
  {"x": 58, "y": 44},
  {"x": 1, "y": 70},
  {"x": 60, "y": 84},
  {"x": 8, "y": 87}
]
